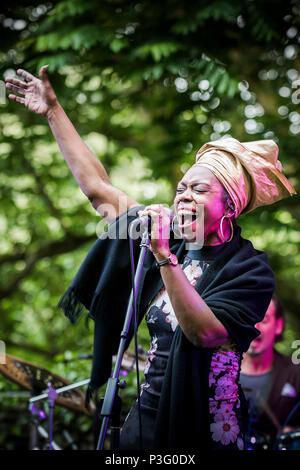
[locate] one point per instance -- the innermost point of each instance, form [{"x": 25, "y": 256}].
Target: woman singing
[{"x": 203, "y": 286}]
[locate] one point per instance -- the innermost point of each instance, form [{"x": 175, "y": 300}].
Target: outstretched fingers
[
  {"x": 17, "y": 89},
  {"x": 43, "y": 73},
  {"x": 26, "y": 75},
  {"x": 18, "y": 86},
  {"x": 16, "y": 98},
  {"x": 16, "y": 81}
]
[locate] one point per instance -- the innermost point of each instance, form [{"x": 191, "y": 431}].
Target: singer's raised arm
[{"x": 38, "y": 95}]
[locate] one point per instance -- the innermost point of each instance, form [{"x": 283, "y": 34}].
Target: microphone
[
  {"x": 144, "y": 220},
  {"x": 145, "y": 225}
]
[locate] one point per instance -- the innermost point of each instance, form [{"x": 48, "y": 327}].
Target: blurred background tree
[{"x": 145, "y": 84}]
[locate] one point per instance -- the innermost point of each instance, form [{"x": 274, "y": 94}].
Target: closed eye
[{"x": 180, "y": 190}]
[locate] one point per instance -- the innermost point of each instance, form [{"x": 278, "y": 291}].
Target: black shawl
[{"x": 237, "y": 286}]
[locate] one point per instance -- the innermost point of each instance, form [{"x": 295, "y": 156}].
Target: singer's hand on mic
[{"x": 161, "y": 219}]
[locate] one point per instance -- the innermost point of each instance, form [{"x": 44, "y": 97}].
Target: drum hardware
[
  {"x": 258, "y": 442},
  {"x": 52, "y": 395},
  {"x": 291, "y": 434},
  {"x": 60, "y": 390},
  {"x": 36, "y": 416},
  {"x": 43, "y": 433},
  {"x": 71, "y": 444},
  {"x": 36, "y": 380},
  {"x": 289, "y": 440},
  {"x": 42, "y": 384}
]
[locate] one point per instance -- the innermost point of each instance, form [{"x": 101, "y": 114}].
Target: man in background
[{"x": 271, "y": 384}]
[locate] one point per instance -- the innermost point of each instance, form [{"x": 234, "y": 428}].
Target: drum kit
[
  {"x": 44, "y": 386},
  {"x": 284, "y": 441},
  {"x": 289, "y": 440}
]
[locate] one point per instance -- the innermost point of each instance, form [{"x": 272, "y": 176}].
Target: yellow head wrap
[{"x": 249, "y": 171}]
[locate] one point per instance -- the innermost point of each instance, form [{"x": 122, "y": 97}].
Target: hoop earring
[
  {"x": 231, "y": 229},
  {"x": 172, "y": 223}
]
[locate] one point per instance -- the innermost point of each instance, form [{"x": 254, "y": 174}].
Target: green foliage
[
  {"x": 65, "y": 9},
  {"x": 84, "y": 36},
  {"x": 158, "y": 51}
]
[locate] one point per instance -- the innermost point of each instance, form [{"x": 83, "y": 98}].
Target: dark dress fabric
[
  {"x": 237, "y": 286},
  {"x": 161, "y": 323},
  {"x": 226, "y": 417}
]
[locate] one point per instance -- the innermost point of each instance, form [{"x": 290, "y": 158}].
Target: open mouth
[{"x": 257, "y": 341}]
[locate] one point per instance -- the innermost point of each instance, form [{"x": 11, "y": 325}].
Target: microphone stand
[{"x": 111, "y": 406}]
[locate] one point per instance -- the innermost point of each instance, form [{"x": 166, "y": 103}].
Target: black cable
[{"x": 135, "y": 341}]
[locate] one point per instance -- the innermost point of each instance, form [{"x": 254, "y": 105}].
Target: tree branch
[
  {"x": 41, "y": 190},
  {"x": 31, "y": 347},
  {"x": 56, "y": 247}
]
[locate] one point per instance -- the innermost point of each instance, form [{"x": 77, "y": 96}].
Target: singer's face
[{"x": 198, "y": 191}]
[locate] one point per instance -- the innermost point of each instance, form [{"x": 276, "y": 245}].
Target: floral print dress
[
  {"x": 224, "y": 403},
  {"x": 224, "y": 400}
]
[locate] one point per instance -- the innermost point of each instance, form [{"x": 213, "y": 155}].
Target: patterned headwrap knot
[{"x": 249, "y": 171}]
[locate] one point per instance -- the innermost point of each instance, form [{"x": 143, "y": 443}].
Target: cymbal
[{"x": 36, "y": 379}]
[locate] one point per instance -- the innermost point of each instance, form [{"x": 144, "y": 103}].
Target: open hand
[{"x": 37, "y": 93}]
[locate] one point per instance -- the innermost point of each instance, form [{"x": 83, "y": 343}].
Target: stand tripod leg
[
  {"x": 33, "y": 434},
  {"x": 113, "y": 384},
  {"x": 115, "y": 426},
  {"x": 51, "y": 427},
  {"x": 101, "y": 439}
]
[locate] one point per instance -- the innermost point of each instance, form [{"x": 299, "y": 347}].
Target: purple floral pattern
[{"x": 224, "y": 403}]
